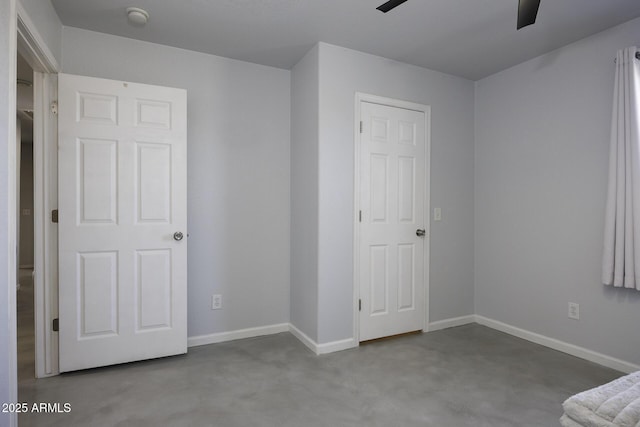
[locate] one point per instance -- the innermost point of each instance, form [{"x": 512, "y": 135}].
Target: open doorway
[
  {"x": 36, "y": 303},
  {"x": 25, "y": 223}
]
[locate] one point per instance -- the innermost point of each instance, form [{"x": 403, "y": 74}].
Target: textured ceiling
[{"x": 467, "y": 38}]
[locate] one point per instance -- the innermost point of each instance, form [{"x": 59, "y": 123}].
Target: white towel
[
  {"x": 567, "y": 421},
  {"x": 616, "y": 404}
]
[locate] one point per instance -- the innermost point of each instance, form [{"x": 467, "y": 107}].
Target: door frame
[
  {"x": 407, "y": 105},
  {"x": 32, "y": 47}
]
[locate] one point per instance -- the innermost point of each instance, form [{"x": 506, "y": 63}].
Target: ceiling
[{"x": 467, "y": 38}]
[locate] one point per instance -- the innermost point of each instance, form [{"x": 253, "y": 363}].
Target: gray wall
[
  {"x": 8, "y": 392},
  {"x": 343, "y": 72},
  {"x": 238, "y": 172},
  {"x": 304, "y": 194},
  {"x": 542, "y": 135},
  {"x": 46, "y": 20}
]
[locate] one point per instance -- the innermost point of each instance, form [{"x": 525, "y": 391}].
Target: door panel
[
  {"x": 153, "y": 182},
  {"x": 406, "y": 189},
  {"x": 122, "y": 196},
  {"x": 392, "y": 197},
  {"x": 153, "y": 289},
  {"x": 98, "y": 294},
  {"x": 97, "y": 201},
  {"x": 379, "y": 279},
  {"x": 379, "y": 188},
  {"x": 406, "y": 276}
]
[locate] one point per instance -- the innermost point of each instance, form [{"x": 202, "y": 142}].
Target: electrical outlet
[
  {"x": 574, "y": 310},
  {"x": 216, "y": 302}
]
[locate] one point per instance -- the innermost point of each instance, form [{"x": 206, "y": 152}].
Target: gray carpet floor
[{"x": 465, "y": 376}]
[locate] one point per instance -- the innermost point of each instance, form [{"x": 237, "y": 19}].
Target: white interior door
[
  {"x": 122, "y": 196},
  {"x": 392, "y": 203}
]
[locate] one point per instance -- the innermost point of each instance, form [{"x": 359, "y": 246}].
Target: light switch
[{"x": 437, "y": 214}]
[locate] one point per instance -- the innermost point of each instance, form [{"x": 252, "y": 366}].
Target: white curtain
[{"x": 621, "y": 260}]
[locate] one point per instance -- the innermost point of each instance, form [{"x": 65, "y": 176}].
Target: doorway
[
  {"x": 36, "y": 251},
  {"x": 150, "y": 115},
  {"x": 24, "y": 223},
  {"x": 391, "y": 241}
]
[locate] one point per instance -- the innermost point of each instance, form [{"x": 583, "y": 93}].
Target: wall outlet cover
[
  {"x": 216, "y": 302},
  {"x": 574, "y": 311}
]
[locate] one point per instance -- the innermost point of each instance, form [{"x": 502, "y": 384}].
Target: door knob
[
  {"x": 177, "y": 236},
  {"x": 420, "y": 232}
]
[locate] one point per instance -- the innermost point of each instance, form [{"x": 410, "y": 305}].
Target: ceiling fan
[{"x": 527, "y": 10}]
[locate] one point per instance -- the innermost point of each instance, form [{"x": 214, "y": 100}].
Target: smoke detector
[{"x": 137, "y": 16}]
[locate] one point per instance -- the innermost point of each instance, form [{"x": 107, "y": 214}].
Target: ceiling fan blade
[
  {"x": 390, "y": 5},
  {"x": 527, "y": 12}
]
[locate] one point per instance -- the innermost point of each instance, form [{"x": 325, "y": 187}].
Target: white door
[
  {"x": 122, "y": 196},
  {"x": 392, "y": 202}
]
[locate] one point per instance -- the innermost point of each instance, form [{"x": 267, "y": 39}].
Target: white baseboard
[
  {"x": 334, "y": 346},
  {"x": 237, "y": 335},
  {"x": 269, "y": 330},
  {"x": 451, "y": 323},
  {"x": 319, "y": 349},
  {"x": 574, "y": 350},
  {"x": 303, "y": 338}
]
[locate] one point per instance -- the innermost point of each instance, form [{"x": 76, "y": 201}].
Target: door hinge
[
  {"x": 360, "y": 216},
  {"x": 54, "y": 216},
  {"x": 55, "y": 325},
  {"x": 54, "y": 108},
  {"x": 361, "y": 127},
  {"x": 359, "y": 305}
]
